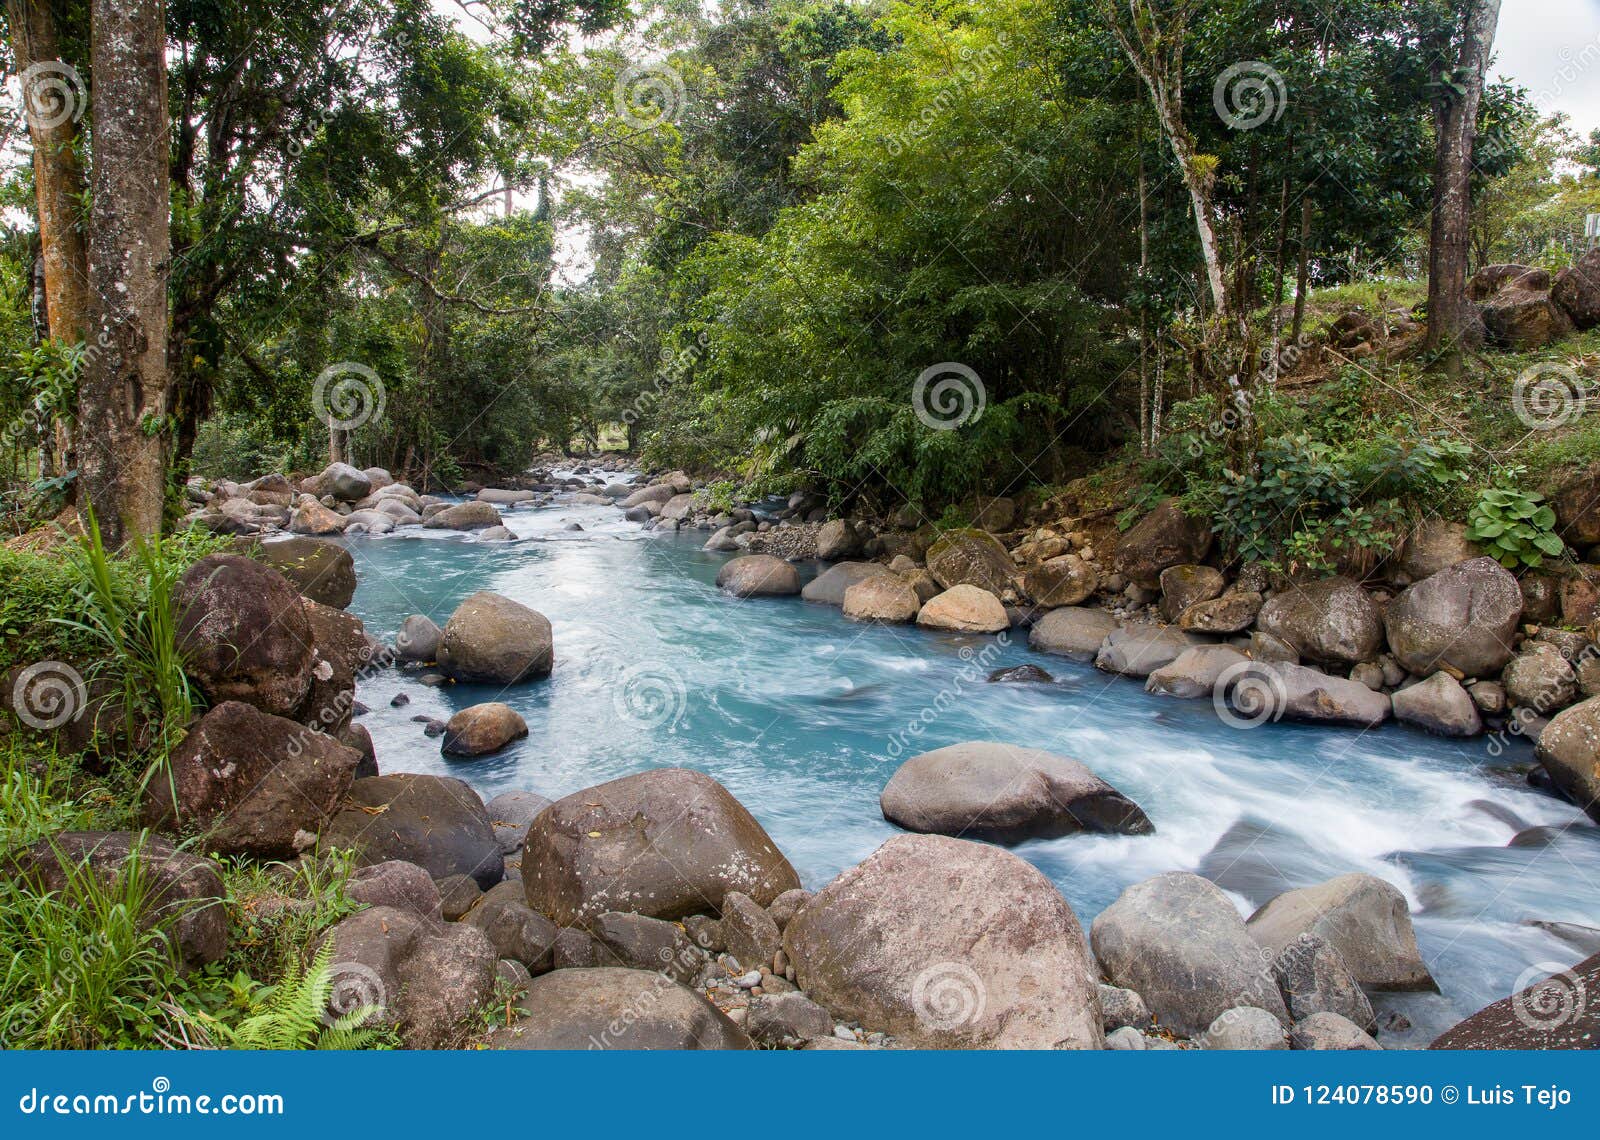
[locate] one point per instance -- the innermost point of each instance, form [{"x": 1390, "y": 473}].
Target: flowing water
[{"x": 804, "y": 716}]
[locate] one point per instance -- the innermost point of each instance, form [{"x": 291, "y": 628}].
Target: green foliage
[
  {"x": 37, "y": 797},
  {"x": 278, "y": 909},
  {"x": 292, "y": 1012},
  {"x": 1517, "y": 527},
  {"x": 87, "y": 968}
]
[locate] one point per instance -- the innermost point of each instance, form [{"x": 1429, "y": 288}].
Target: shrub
[{"x": 1516, "y": 527}]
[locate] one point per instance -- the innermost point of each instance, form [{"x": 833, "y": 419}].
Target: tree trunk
[
  {"x": 1453, "y": 322},
  {"x": 123, "y": 397},
  {"x": 1303, "y": 272}
]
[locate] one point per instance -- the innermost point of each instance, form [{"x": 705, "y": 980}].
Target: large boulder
[
  {"x": 1313, "y": 977},
  {"x": 1438, "y": 704},
  {"x": 514, "y": 929},
  {"x": 1463, "y": 618},
  {"x": 1065, "y": 580},
  {"x": 312, "y": 518},
  {"x": 1195, "y": 672},
  {"x": 1233, "y": 612},
  {"x": 1005, "y": 794},
  {"x": 482, "y": 730},
  {"x": 426, "y": 979},
  {"x": 250, "y": 783},
  {"x": 1276, "y": 689},
  {"x": 1077, "y": 632},
  {"x": 837, "y": 539},
  {"x": 1186, "y": 585},
  {"x": 1525, "y": 319},
  {"x": 885, "y": 597},
  {"x": 1330, "y": 1031},
  {"x": 655, "y": 493},
  {"x": 972, "y": 558},
  {"x": 828, "y": 588},
  {"x": 184, "y": 893},
  {"x": 1433, "y": 546},
  {"x": 1577, "y": 291},
  {"x": 322, "y": 571},
  {"x": 419, "y": 639},
  {"x": 1569, "y": 750},
  {"x": 1557, "y": 1012},
  {"x": 758, "y": 576},
  {"x": 665, "y": 843},
  {"x": 436, "y": 822},
  {"x": 1362, "y": 917},
  {"x": 949, "y": 945},
  {"x": 1177, "y": 942},
  {"x": 344, "y": 483},
  {"x": 612, "y": 1008},
  {"x": 397, "y": 884},
  {"x": 964, "y": 609},
  {"x": 244, "y": 634},
  {"x": 1577, "y": 507},
  {"x": 1164, "y": 537},
  {"x": 493, "y": 640},
  {"x": 1331, "y": 621},
  {"x": 1139, "y": 650},
  {"x": 1541, "y": 679},
  {"x": 472, "y": 515}
]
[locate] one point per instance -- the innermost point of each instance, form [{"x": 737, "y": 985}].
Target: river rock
[
  {"x": 1524, "y": 319},
  {"x": 885, "y": 597},
  {"x": 356, "y": 738},
  {"x": 1065, "y": 580},
  {"x": 828, "y": 588},
  {"x": 1005, "y": 794},
  {"x": 1438, "y": 704},
  {"x": 972, "y": 557},
  {"x": 1558, "y": 1012},
  {"x": 1021, "y": 675},
  {"x": 1539, "y": 678},
  {"x": 1245, "y": 1027},
  {"x": 399, "y": 884},
  {"x": 1577, "y": 291},
  {"x": 611, "y": 1008},
  {"x": 1275, "y": 690},
  {"x": 510, "y": 813},
  {"x": 1179, "y": 943},
  {"x": 514, "y": 929},
  {"x": 758, "y": 576},
  {"x": 1313, "y": 978},
  {"x": 1569, "y": 750},
  {"x": 1187, "y": 585},
  {"x": 436, "y": 822},
  {"x": 1433, "y": 546},
  {"x": 1120, "y": 1007},
  {"x": 948, "y": 944},
  {"x": 1194, "y": 673},
  {"x": 1364, "y": 918},
  {"x": 244, "y": 634},
  {"x": 424, "y": 978},
  {"x": 1331, "y": 621},
  {"x": 636, "y": 942},
  {"x": 787, "y": 905},
  {"x": 787, "y": 1019},
  {"x": 838, "y": 539},
  {"x": 1139, "y": 650},
  {"x": 418, "y": 639},
  {"x": 368, "y": 522},
  {"x": 655, "y": 493},
  {"x": 1164, "y": 537},
  {"x": 1233, "y": 612},
  {"x": 463, "y": 516},
  {"x": 1330, "y": 1031},
  {"x": 748, "y": 931},
  {"x": 1074, "y": 631},
  {"x": 493, "y": 640},
  {"x": 505, "y": 497},
  {"x": 1464, "y": 618},
  {"x": 250, "y": 783},
  {"x": 311, "y": 517},
  {"x": 482, "y": 730},
  {"x": 964, "y": 609},
  {"x": 343, "y": 482},
  {"x": 322, "y": 571},
  {"x": 185, "y": 894},
  {"x": 666, "y": 843}
]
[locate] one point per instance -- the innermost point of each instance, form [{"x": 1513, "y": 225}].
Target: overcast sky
[{"x": 1552, "y": 47}]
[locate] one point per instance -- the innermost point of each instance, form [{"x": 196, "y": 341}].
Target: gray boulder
[
  {"x": 828, "y": 588},
  {"x": 344, "y": 483},
  {"x": 1245, "y": 1027},
  {"x": 748, "y": 931},
  {"x": 758, "y": 576},
  {"x": 611, "y": 1008},
  {"x": 787, "y": 1019},
  {"x": 322, "y": 571},
  {"x": 1330, "y": 1031},
  {"x": 886, "y": 597},
  {"x": 1006, "y": 794},
  {"x": 641, "y": 943},
  {"x": 1164, "y": 537},
  {"x": 1179, "y": 943},
  {"x": 435, "y": 822},
  {"x": 1073, "y": 631},
  {"x": 1540, "y": 678},
  {"x": 244, "y": 634},
  {"x": 1278, "y": 690},
  {"x": 482, "y": 730},
  {"x": 463, "y": 516},
  {"x": 1188, "y": 585},
  {"x": 399, "y": 884},
  {"x": 510, "y": 813},
  {"x": 493, "y": 640},
  {"x": 837, "y": 539},
  {"x": 1438, "y": 704},
  {"x": 514, "y": 929},
  {"x": 1569, "y": 750},
  {"x": 1364, "y": 918},
  {"x": 418, "y": 639},
  {"x": 971, "y": 557},
  {"x": 1120, "y": 1007},
  {"x": 1313, "y": 977},
  {"x": 949, "y": 944},
  {"x": 1233, "y": 612},
  {"x": 1331, "y": 621},
  {"x": 1463, "y": 618},
  {"x": 1065, "y": 580},
  {"x": 1195, "y": 672},
  {"x": 1139, "y": 650}
]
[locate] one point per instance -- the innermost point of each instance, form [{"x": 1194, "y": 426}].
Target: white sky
[{"x": 1552, "y": 47}]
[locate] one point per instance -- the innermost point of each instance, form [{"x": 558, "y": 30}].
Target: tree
[
  {"x": 123, "y": 396},
  {"x": 1461, "y": 62}
]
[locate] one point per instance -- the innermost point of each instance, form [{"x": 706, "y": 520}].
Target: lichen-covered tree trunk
[{"x": 122, "y": 408}]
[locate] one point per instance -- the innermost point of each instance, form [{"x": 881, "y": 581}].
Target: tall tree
[
  {"x": 122, "y": 406},
  {"x": 1461, "y": 63}
]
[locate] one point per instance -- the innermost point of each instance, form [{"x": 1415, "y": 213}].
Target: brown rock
[{"x": 482, "y": 729}]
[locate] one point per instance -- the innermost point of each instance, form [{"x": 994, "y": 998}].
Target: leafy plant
[
  {"x": 292, "y": 1014},
  {"x": 1516, "y": 527}
]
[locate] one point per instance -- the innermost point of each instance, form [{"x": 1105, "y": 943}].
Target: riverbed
[{"x": 804, "y": 715}]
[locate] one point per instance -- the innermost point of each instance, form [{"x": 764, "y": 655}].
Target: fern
[{"x": 294, "y": 1014}]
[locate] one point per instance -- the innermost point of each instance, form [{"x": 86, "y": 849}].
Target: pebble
[
  {"x": 434, "y": 728},
  {"x": 748, "y": 981}
]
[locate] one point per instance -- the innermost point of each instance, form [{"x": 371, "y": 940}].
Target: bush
[{"x": 1516, "y": 527}]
